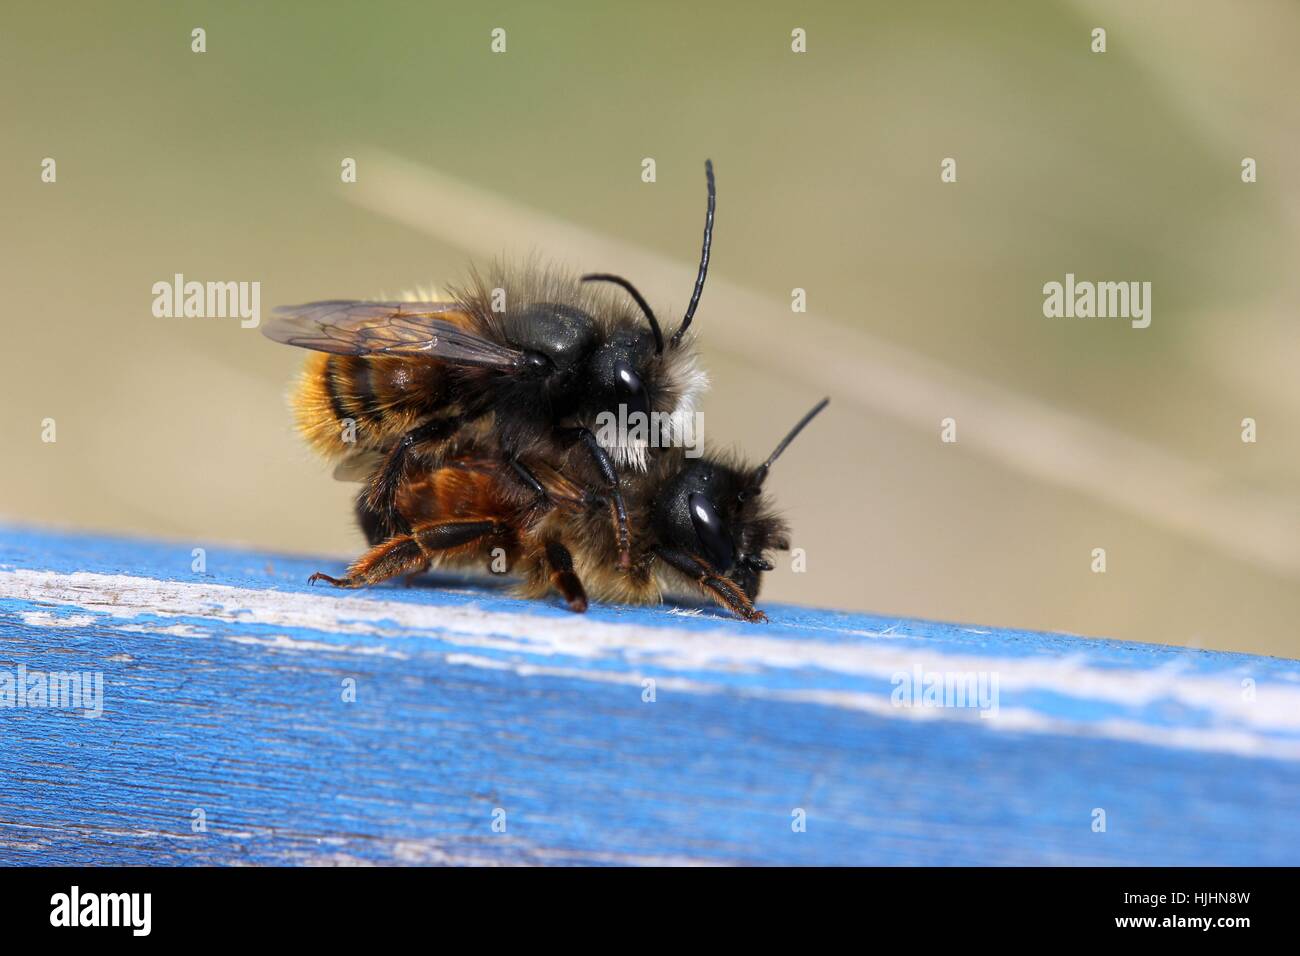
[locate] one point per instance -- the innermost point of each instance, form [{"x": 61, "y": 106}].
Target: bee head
[
  {"x": 716, "y": 511},
  {"x": 621, "y": 373},
  {"x": 627, "y": 375},
  {"x": 644, "y": 387},
  {"x": 712, "y": 511}
]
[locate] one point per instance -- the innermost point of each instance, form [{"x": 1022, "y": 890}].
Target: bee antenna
[
  {"x": 761, "y": 475},
  {"x": 704, "y": 255},
  {"x": 640, "y": 300}
]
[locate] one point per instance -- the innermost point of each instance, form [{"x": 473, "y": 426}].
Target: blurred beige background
[{"x": 924, "y": 299}]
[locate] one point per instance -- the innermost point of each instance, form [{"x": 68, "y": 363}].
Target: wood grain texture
[{"x": 223, "y": 691}]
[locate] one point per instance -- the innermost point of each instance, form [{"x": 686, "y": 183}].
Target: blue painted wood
[{"x": 223, "y": 692}]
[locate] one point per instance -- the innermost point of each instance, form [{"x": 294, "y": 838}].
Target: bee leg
[
  {"x": 373, "y": 525},
  {"x": 563, "y": 578},
  {"x": 404, "y": 553},
  {"x": 380, "y": 497},
  {"x": 618, "y": 510},
  {"x": 722, "y": 589},
  {"x": 528, "y": 478},
  {"x": 337, "y": 582}
]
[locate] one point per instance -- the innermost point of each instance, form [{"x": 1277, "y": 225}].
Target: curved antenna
[
  {"x": 640, "y": 300},
  {"x": 761, "y": 474},
  {"x": 704, "y": 255}
]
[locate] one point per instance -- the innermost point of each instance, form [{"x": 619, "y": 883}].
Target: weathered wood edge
[{"x": 224, "y": 693}]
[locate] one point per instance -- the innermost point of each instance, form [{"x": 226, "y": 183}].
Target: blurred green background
[{"x": 1121, "y": 166}]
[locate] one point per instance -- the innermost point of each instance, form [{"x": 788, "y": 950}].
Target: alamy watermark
[
  {"x": 75, "y": 908},
  {"x": 57, "y": 690},
  {"x": 975, "y": 690},
  {"x": 676, "y": 429},
  {"x": 1098, "y": 300},
  {"x": 208, "y": 300}
]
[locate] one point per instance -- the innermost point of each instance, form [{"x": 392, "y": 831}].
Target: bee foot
[{"x": 322, "y": 576}]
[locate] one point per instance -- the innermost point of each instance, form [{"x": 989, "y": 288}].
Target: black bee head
[
  {"x": 622, "y": 373},
  {"x": 715, "y": 511},
  {"x": 644, "y": 383}
]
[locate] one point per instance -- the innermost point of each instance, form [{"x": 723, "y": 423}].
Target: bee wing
[
  {"x": 569, "y": 495},
  {"x": 353, "y": 327},
  {"x": 559, "y": 488},
  {"x": 358, "y": 467}
]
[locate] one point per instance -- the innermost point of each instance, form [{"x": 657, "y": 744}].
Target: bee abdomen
[{"x": 348, "y": 403}]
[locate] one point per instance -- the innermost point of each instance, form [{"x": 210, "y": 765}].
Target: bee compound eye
[
  {"x": 710, "y": 531},
  {"x": 630, "y": 390}
]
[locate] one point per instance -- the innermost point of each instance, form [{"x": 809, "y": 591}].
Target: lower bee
[{"x": 703, "y": 523}]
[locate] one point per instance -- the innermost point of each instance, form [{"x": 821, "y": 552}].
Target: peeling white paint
[{"x": 1268, "y": 725}]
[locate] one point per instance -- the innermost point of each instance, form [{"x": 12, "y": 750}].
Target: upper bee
[{"x": 541, "y": 349}]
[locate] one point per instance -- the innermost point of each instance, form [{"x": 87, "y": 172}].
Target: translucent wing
[
  {"x": 567, "y": 494},
  {"x": 358, "y": 467},
  {"x": 352, "y": 327}
]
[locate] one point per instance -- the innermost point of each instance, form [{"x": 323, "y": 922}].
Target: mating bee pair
[{"x": 474, "y": 423}]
